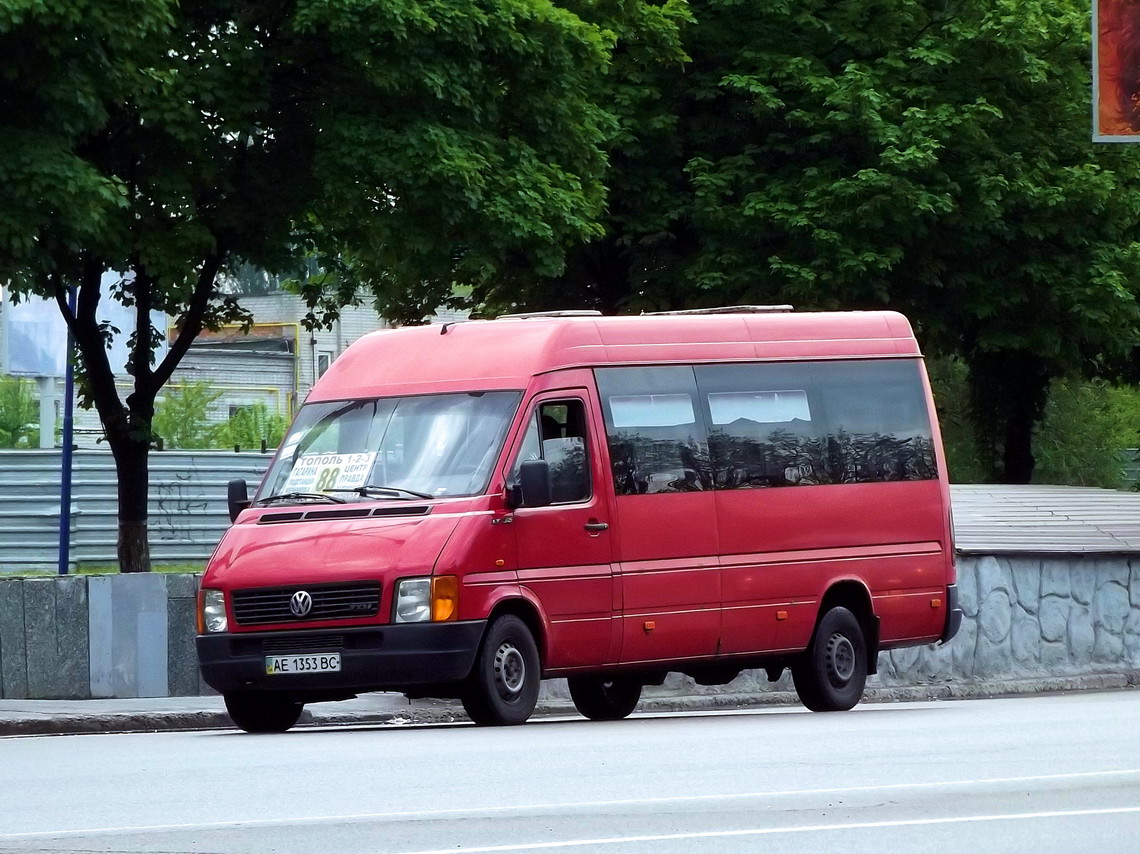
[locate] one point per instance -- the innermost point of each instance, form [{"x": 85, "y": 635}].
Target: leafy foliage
[
  {"x": 949, "y": 380},
  {"x": 19, "y": 413},
  {"x": 920, "y": 155},
  {"x": 182, "y": 416},
  {"x": 1087, "y": 427},
  {"x": 182, "y": 419},
  {"x": 249, "y": 427},
  {"x": 401, "y": 143}
]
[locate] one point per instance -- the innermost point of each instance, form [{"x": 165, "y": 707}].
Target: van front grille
[
  {"x": 265, "y": 605},
  {"x": 303, "y": 643}
]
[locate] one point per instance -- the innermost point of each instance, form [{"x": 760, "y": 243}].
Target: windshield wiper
[
  {"x": 376, "y": 489},
  {"x": 294, "y": 496}
]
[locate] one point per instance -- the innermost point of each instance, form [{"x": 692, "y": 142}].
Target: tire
[
  {"x": 601, "y": 699},
  {"x": 261, "y": 712},
  {"x": 503, "y": 686},
  {"x": 831, "y": 674}
]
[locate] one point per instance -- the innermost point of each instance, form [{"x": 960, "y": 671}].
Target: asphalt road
[{"x": 1040, "y": 775}]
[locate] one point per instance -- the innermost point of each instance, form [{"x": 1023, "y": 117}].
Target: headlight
[
  {"x": 413, "y": 600},
  {"x": 214, "y": 611}
]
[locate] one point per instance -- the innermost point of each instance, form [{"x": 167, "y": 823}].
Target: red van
[{"x": 464, "y": 510}]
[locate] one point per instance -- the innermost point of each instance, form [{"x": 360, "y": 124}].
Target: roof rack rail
[
  {"x": 572, "y": 312},
  {"x": 726, "y": 309}
]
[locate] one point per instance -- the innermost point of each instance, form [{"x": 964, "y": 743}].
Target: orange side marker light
[
  {"x": 781, "y": 615},
  {"x": 444, "y": 598},
  {"x": 935, "y": 603}
]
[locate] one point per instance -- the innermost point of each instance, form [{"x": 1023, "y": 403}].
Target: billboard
[
  {"x": 34, "y": 337},
  {"x": 1116, "y": 70}
]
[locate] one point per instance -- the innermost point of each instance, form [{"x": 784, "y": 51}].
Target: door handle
[{"x": 596, "y": 526}]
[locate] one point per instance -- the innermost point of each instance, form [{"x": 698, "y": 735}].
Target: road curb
[{"x": 13, "y": 724}]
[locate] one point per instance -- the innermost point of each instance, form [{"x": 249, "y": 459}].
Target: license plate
[{"x": 276, "y": 665}]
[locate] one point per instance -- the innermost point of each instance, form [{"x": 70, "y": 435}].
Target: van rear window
[
  {"x": 656, "y": 436},
  {"x": 766, "y": 424}
]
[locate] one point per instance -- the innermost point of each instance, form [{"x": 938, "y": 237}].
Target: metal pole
[{"x": 65, "y": 458}]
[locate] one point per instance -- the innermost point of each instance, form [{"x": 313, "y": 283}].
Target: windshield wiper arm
[
  {"x": 394, "y": 491},
  {"x": 293, "y": 496}
]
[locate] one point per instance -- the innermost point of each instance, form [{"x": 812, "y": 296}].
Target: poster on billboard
[
  {"x": 1116, "y": 70},
  {"x": 34, "y": 337}
]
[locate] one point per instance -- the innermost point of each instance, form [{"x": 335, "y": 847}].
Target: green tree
[
  {"x": 1086, "y": 429},
  {"x": 19, "y": 413},
  {"x": 170, "y": 140},
  {"x": 1083, "y": 438},
  {"x": 182, "y": 416},
  {"x": 248, "y": 427},
  {"x": 928, "y": 156}
]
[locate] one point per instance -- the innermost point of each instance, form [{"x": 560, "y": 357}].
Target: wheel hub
[
  {"x": 840, "y": 659},
  {"x": 510, "y": 669}
]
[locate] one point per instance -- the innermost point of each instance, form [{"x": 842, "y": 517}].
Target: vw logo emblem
[{"x": 301, "y": 603}]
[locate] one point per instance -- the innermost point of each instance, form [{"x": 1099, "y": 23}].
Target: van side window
[
  {"x": 655, "y": 431},
  {"x": 810, "y": 423},
  {"x": 557, "y": 434}
]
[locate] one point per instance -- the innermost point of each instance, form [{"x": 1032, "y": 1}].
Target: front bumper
[
  {"x": 374, "y": 658},
  {"x": 953, "y": 614}
]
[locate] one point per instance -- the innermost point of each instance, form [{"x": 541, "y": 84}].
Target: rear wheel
[
  {"x": 601, "y": 699},
  {"x": 263, "y": 711},
  {"x": 831, "y": 674},
  {"x": 503, "y": 687}
]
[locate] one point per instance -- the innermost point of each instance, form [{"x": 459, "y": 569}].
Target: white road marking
[
  {"x": 771, "y": 831},
  {"x": 570, "y": 805}
]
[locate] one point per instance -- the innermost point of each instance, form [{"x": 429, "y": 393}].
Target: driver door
[{"x": 565, "y": 550}]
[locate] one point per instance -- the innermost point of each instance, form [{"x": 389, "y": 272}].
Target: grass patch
[
  {"x": 103, "y": 569},
  {"x": 113, "y": 569}
]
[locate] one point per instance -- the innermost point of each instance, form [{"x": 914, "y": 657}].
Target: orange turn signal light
[
  {"x": 935, "y": 603},
  {"x": 781, "y": 615},
  {"x": 444, "y": 598}
]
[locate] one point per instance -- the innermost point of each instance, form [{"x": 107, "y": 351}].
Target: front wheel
[
  {"x": 503, "y": 686},
  {"x": 601, "y": 699},
  {"x": 831, "y": 674},
  {"x": 261, "y": 712}
]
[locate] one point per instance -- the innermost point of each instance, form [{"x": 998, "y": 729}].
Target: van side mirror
[
  {"x": 533, "y": 488},
  {"x": 238, "y": 496}
]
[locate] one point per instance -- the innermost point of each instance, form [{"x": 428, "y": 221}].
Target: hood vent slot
[
  {"x": 401, "y": 511},
  {"x": 355, "y": 513},
  {"x": 347, "y": 513}
]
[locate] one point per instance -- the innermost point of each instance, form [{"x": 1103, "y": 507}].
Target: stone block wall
[
  {"x": 84, "y": 637},
  {"x": 1033, "y": 616},
  {"x": 78, "y": 637}
]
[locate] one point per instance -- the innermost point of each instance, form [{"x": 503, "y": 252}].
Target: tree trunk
[
  {"x": 131, "y": 460},
  {"x": 1018, "y": 461},
  {"x": 1008, "y": 392},
  {"x": 128, "y": 428}
]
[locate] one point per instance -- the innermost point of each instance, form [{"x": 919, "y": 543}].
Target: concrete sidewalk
[{"x": 56, "y": 717}]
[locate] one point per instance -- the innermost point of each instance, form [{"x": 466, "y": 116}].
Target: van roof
[{"x": 506, "y": 353}]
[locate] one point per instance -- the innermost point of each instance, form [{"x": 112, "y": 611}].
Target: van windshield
[{"x": 441, "y": 445}]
